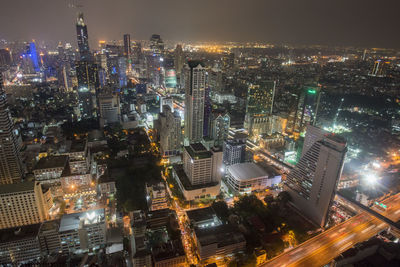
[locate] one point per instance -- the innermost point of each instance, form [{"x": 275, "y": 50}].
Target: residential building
[
  {"x": 220, "y": 123},
  {"x": 195, "y": 85},
  {"x": 157, "y": 196},
  {"x": 170, "y": 132},
  {"x": 22, "y": 204},
  {"x": 19, "y": 245},
  {"x": 50, "y": 169},
  {"x": 312, "y": 183},
  {"x": 234, "y": 152},
  {"x": 83, "y": 231},
  {"x": 11, "y": 168}
]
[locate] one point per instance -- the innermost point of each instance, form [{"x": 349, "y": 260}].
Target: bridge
[{"x": 323, "y": 248}]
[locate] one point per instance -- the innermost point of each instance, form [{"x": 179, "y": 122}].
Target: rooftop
[
  {"x": 194, "y": 63},
  {"x": 198, "y": 215},
  {"x": 19, "y": 233},
  {"x": 222, "y": 235},
  {"x": 246, "y": 171},
  {"x": 198, "y": 151},
  {"x": 72, "y": 221},
  {"x": 18, "y": 187},
  {"x": 52, "y": 162}
]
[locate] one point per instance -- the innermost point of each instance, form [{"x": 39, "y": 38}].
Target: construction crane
[{"x": 337, "y": 112}]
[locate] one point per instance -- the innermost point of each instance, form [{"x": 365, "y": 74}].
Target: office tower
[
  {"x": 220, "y": 123},
  {"x": 207, "y": 113},
  {"x": 312, "y": 183},
  {"x": 156, "y": 45},
  {"x": 88, "y": 84},
  {"x": 179, "y": 59},
  {"x": 122, "y": 67},
  {"x": 194, "y": 101},
  {"x": 11, "y": 168},
  {"x": 170, "y": 132},
  {"x": 127, "y": 46},
  {"x": 234, "y": 152},
  {"x": 109, "y": 106},
  {"x": 313, "y": 135},
  {"x": 83, "y": 39},
  {"x": 22, "y": 204},
  {"x": 34, "y": 56},
  {"x": 259, "y": 106}
]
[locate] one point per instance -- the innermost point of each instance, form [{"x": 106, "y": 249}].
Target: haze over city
[{"x": 199, "y": 133}]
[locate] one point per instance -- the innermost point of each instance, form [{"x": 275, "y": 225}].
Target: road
[{"x": 323, "y": 248}]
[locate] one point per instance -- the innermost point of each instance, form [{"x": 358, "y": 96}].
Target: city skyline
[{"x": 275, "y": 22}]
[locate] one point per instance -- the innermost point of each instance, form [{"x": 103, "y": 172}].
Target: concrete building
[
  {"x": 195, "y": 85},
  {"x": 218, "y": 242},
  {"x": 234, "y": 152},
  {"x": 50, "y": 169},
  {"x": 201, "y": 172},
  {"x": 109, "y": 106},
  {"x": 244, "y": 178},
  {"x": 83, "y": 231},
  {"x": 313, "y": 182},
  {"x": 220, "y": 123},
  {"x": 157, "y": 196},
  {"x": 11, "y": 168},
  {"x": 49, "y": 238},
  {"x": 19, "y": 245},
  {"x": 22, "y": 204},
  {"x": 170, "y": 132},
  {"x": 313, "y": 134}
]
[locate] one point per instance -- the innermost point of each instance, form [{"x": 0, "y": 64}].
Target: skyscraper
[
  {"x": 170, "y": 132},
  {"x": 259, "y": 106},
  {"x": 127, "y": 46},
  {"x": 179, "y": 59},
  {"x": 83, "y": 38},
  {"x": 194, "y": 101},
  {"x": 312, "y": 183},
  {"x": 11, "y": 168},
  {"x": 88, "y": 83}
]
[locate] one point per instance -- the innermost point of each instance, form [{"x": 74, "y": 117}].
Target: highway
[{"x": 323, "y": 248}]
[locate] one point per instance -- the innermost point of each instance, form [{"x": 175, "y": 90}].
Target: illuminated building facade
[
  {"x": 312, "y": 183},
  {"x": 11, "y": 168},
  {"x": 83, "y": 39},
  {"x": 22, "y": 204},
  {"x": 194, "y": 101}
]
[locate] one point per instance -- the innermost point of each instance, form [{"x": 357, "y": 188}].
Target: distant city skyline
[{"x": 355, "y": 23}]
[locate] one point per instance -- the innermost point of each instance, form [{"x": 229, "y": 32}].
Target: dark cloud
[{"x": 339, "y": 22}]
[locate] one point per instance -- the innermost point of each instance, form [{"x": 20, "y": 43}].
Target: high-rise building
[
  {"x": 127, "y": 46},
  {"x": 207, "y": 113},
  {"x": 259, "y": 105},
  {"x": 220, "y": 123},
  {"x": 312, "y": 183},
  {"x": 170, "y": 132},
  {"x": 34, "y": 56},
  {"x": 109, "y": 106},
  {"x": 11, "y": 168},
  {"x": 22, "y": 204},
  {"x": 157, "y": 45},
  {"x": 83, "y": 38},
  {"x": 234, "y": 152},
  {"x": 179, "y": 59},
  {"x": 194, "y": 101},
  {"x": 88, "y": 83}
]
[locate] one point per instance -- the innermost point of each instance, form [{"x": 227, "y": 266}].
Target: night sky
[{"x": 370, "y": 23}]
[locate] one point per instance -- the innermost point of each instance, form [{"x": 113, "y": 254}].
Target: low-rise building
[
  {"x": 157, "y": 196},
  {"x": 19, "y": 245},
  {"x": 50, "y": 169},
  {"x": 83, "y": 231},
  {"x": 245, "y": 178}
]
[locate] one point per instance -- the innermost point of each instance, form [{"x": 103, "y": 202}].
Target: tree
[
  {"x": 284, "y": 197},
  {"x": 221, "y": 209}
]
